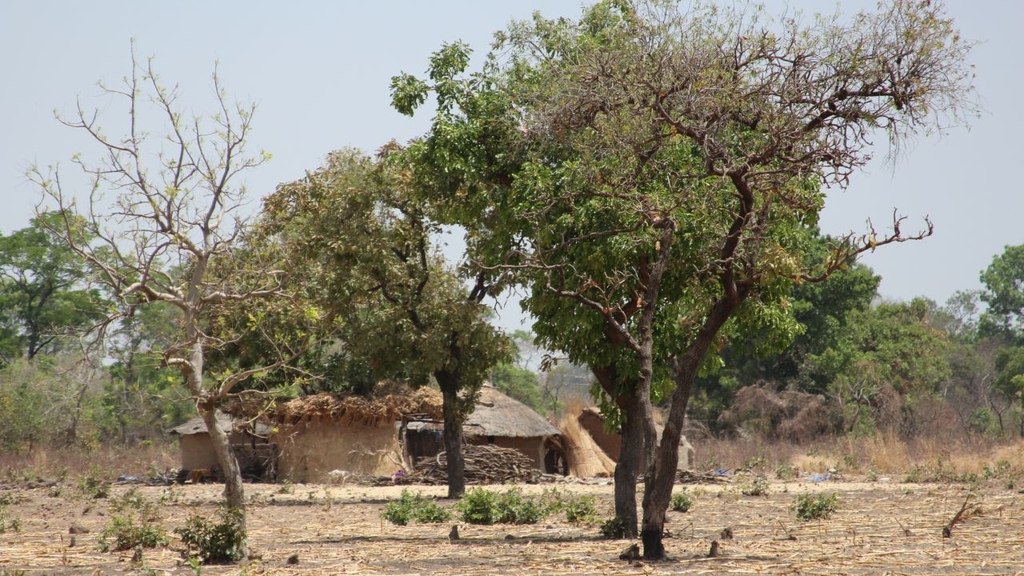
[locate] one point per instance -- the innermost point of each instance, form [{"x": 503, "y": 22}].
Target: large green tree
[
  {"x": 44, "y": 291},
  {"x": 1003, "y": 292},
  {"x": 677, "y": 145},
  {"x": 366, "y": 238}
]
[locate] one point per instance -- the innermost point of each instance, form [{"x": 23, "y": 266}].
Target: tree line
[{"x": 650, "y": 176}]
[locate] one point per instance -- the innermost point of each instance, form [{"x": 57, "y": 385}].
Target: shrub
[
  {"x": 416, "y": 508},
  {"x": 816, "y": 507},
  {"x": 220, "y": 542},
  {"x": 681, "y": 502},
  {"x": 92, "y": 484},
  {"x": 580, "y": 508},
  {"x": 127, "y": 532},
  {"x": 786, "y": 472},
  {"x": 479, "y": 506},
  {"x": 132, "y": 523},
  {"x": 757, "y": 487},
  {"x": 614, "y": 529},
  {"x": 514, "y": 508},
  {"x": 8, "y": 521}
]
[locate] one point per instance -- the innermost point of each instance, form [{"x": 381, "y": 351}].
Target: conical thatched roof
[{"x": 498, "y": 415}]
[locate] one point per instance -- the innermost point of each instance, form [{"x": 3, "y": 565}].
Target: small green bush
[
  {"x": 133, "y": 522},
  {"x": 414, "y": 508},
  {"x": 681, "y": 501},
  {"x": 92, "y": 484},
  {"x": 220, "y": 542},
  {"x": 786, "y": 472},
  {"x": 8, "y": 521},
  {"x": 580, "y": 508},
  {"x": 816, "y": 506},
  {"x": 128, "y": 531},
  {"x": 614, "y": 529},
  {"x": 514, "y": 508},
  {"x": 757, "y": 487},
  {"x": 479, "y": 506}
]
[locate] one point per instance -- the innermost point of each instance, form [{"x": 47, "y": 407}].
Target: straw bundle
[{"x": 585, "y": 457}]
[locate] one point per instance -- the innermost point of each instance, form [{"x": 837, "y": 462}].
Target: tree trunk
[
  {"x": 234, "y": 492},
  {"x": 661, "y": 475},
  {"x": 452, "y": 436},
  {"x": 661, "y": 471},
  {"x": 627, "y": 469},
  {"x": 638, "y": 440}
]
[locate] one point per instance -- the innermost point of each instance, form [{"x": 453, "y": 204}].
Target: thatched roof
[
  {"x": 388, "y": 403},
  {"x": 498, "y": 415}
]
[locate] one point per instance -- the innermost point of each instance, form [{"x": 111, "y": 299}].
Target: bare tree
[{"x": 176, "y": 201}]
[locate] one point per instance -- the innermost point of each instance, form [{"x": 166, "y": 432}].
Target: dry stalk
[{"x": 967, "y": 509}]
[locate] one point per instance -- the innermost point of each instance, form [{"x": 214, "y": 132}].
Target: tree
[
  {"x": 176, "y": 203},
  {"x": 684, "y": 146},
  {"x": 1004, "y": 293},
  {"x": 366, "y": 238},
  {"x": 44, "y": 292}
]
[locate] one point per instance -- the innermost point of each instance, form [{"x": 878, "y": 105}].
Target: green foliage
[
  {"x": 816, "y": 506},
  {"x": 889, "y": 358},
  {"x": 681, "y": 501},
  {"x": 580, "y": 509},
  {"x": 93, "y": 483},
  {"x": 133, "y": 522},
  {"x": 758, "y": 486},
  {"x": 220, "y": 541},
  {"x": 414, "y": 508},
  {"x": 480, "y": 506},
  {"x": 1003, "y": 280},
  {"x": 43, "y": 290},
  {"x": 519, "y": 383},
  {"x": 614, "y": 529},
  {"x": 785, "y": 472},
  {"x": 8, "y": 520}
]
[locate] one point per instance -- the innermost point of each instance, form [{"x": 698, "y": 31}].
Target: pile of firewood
[{"x": 485, "y": 464}]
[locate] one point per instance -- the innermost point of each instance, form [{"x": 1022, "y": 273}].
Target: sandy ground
[{"x": 880, "y": 528}]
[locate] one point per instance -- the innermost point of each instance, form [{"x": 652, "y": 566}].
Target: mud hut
[
  {"x": 255, "y": 452},
  {"x": 353, "y": 434},
  {"x": 498, "y": 420}
]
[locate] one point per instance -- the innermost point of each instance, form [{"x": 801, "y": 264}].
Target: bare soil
[{"x": 880, "y": 528}]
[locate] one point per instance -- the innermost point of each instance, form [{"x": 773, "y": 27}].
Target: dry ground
[{"x": 880, "y": 528}]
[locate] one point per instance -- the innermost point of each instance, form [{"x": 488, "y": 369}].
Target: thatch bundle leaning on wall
[{"x": 585, "y": 458}]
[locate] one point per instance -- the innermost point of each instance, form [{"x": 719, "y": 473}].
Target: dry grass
[
  {"x": 884, "y": 524},
  {"x": 108, "y": 463},
  {"x": 882, "y": 527}
]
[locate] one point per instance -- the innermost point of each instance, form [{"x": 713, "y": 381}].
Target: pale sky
[{"x": 319, "y": 72}]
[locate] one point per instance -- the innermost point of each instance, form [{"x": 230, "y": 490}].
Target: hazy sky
[{"x": 319, "y": 72}]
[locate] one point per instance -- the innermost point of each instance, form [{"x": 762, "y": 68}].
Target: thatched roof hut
[{"x": 497, "y": 419}]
